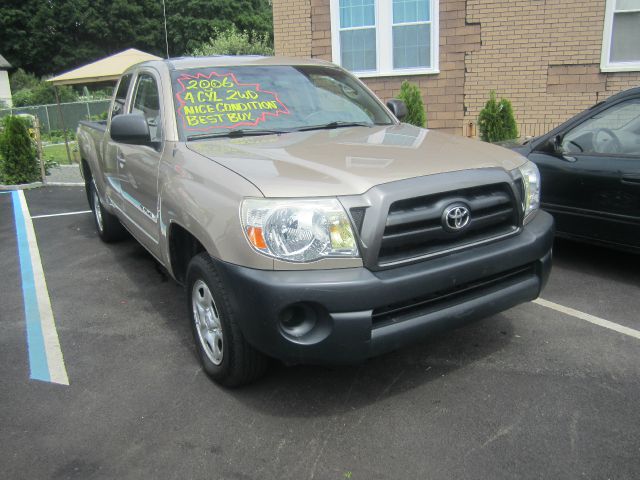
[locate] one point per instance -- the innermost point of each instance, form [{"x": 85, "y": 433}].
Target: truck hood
[{"x": 349, "y": 161}]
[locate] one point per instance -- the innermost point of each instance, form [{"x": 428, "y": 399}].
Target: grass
[{"x": 58, "y": 153}]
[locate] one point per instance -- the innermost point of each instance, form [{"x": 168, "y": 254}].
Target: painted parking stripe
[
  {"x": 45, "y": 357},
  {"x": 61, "y": 214},
  {"x": 589, "y": 318}
]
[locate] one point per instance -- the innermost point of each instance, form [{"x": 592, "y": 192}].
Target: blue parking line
[{"x": 35, "y": 339}]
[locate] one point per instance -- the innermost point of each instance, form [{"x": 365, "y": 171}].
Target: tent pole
[{"x": 64, "y": 128}]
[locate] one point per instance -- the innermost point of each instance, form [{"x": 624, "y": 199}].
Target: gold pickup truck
[{"x": 305, "y": 221}]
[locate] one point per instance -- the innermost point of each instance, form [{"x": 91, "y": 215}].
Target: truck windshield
[{"x": 275, "y": 99}]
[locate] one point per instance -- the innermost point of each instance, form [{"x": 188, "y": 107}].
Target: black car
[{"x": 590, "y": 169}]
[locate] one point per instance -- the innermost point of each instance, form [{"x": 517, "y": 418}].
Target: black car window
[
  {"x": 614, "y": 131},
  {"x": 121, "y": 95},
  {"x": 146, "y": 102}
]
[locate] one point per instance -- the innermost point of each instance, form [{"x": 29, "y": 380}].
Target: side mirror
[
  {"x": 398, "y": 108},
  {"x": 130, "y": 128},
  {"x": 558, "y": 150},
  {"x": 557, "y": 144}
]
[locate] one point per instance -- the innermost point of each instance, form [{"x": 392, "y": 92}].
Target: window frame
[
  {"x": 605, "y": 111},
  {"x": 133, "y": 93},
  {"x": 384, "y": 40},
  {"x": 115, "y": 99},
  {"x": 605, "y": 64}
]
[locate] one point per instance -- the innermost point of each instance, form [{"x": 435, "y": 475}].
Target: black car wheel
[
  {"x": 108, "y": 226},
  {"x": 223, "y": 351}
]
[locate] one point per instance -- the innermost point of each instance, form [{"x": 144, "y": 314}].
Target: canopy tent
[
  {"x": 107, "y": 69},
  {"x": 104, "y": 70}
]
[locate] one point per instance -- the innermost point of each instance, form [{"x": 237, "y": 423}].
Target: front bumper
[{"x": 356, "y": 313}]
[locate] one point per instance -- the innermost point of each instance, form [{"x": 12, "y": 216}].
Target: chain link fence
[{"x": 72, "y": 113}]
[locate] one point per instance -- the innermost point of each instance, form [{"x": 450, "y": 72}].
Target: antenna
[{"x": 166, "y": 38}]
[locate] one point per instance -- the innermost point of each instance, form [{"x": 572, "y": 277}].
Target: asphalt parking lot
[{"x": 534, "y": 392}]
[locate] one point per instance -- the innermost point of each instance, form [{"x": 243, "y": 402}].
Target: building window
[
  {"x": 385, "y": 37},
  {"x": 621, "y": 36},
  {"x": 358, "y": 34}
]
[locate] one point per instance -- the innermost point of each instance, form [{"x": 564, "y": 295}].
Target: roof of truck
[{"x": 183, "y": 63}]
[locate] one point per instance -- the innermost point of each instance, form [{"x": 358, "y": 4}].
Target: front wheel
[
  {"x": 223, "y": 351},
  {"x": 108, "y": 226}
]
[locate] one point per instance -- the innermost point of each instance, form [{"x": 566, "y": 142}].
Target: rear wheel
[
  {"x": 223, "y": 351},
  {"x": 108, "y": 226}
]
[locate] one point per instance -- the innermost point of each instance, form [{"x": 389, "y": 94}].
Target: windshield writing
[
  {"x": 273, "y": 97},
  {"x": 214, "y": 100}
]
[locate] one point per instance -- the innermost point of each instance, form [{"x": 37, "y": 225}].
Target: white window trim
[
  {"x": 605, "y": 64},
  {"x": 384, "y": 44}
]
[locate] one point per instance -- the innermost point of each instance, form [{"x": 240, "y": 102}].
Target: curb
[{"x": 29, "y": 186}]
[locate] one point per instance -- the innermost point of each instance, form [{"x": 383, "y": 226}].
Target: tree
[
  {"x": 496, "y": 121},
  {"x": 21, "y": 80},
  {"x": 18, "y": 161},
  {"x": 192, "y": 22},
  {"x": 47, "y": 37},
  {"x": 508, "y": 119},
  {"x": 234, "y": 42},
  {"x": 29, "y": 90},
  {"x": 410, "y": 95}
]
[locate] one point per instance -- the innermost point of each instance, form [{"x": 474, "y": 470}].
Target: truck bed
[{"x": 100, "y": 125}]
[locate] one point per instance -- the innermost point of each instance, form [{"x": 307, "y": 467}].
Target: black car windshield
[{"x": 212, "y": 101}]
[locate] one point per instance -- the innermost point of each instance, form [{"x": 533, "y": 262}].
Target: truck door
[
  {"x": 138, "y": 165},
  {"x": 110, "y": 183}
]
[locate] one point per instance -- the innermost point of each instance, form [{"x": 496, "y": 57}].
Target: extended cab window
[
  {"x": 121, "y": 96},
  {"x": 146, "y": 102}
]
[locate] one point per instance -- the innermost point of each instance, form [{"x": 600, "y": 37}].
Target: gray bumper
[{"x": 356, "y": 313}]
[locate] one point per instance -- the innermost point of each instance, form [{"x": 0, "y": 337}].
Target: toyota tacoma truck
[{"x": 305, "y": 221}]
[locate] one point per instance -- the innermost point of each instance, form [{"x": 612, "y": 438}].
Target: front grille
[
  {"x": 414, "y": 227},
  {"x": 414, "y": 307},
  {"x": 357, "y": 214}
]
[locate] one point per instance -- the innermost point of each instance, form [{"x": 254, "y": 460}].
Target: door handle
[
  {"x": 120, "y": 158},
  {"x": 631, "y": 180}
]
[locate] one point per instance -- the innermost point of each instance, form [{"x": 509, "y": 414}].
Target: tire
[
  {"x": 108, "y": 226},
  {"x": 224, "y": 353}
]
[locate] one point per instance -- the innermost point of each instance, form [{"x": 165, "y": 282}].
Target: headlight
[
  {"x": 531, "y": 180},
  {"x": 298, "y": 230}
]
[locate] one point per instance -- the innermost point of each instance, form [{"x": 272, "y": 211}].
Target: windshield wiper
[
  {"x": 241, "y": 132},
  {"x": 330, "y": 125}
]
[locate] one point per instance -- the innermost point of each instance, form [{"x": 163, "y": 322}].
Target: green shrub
[
  {"x": 410, "y": 95},
  {"x": 21, "y": 80},
  {"x": 18, "y": 160},
  {"x": 98, "y": 117},
  {"x": 29, "y": 90},
  {"x": 496, "y": 121},
  {"x": 235, "y": 42},
  {"x": 57, "y": 136}
]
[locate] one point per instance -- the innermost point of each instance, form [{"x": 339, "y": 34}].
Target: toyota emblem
[{"x": 456, "y": 217}]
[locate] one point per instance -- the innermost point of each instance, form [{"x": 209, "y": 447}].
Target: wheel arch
[
  {"x": 183, "y": 245},
  {"x": 85, "y": 169}
]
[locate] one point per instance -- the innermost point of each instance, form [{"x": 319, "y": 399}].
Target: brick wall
[
  {"x": 292, "y": 27},
  {"x": 442, "y": 93},
  {"x": 542, "y": 55}
]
